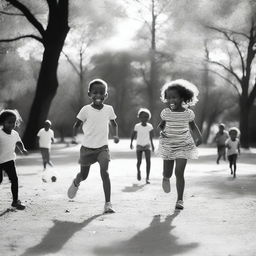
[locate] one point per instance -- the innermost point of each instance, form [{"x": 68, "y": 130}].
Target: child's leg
[
  {"x": 148, "y": 162},
  {"x": 10, "y": 170},
  {"x": 48, "y": 157},
  {"x": 167, "y": 173},
  {"x": 139, "y": 158},
  {"x": 103, "y": 160},
  {"x": 43, "y": 153},
  {"x": 234, "y": 163},
  {"x": 82, "y": 175},
  {"x": 168, "y": 168},
  {"x": 180, "y": 181}
]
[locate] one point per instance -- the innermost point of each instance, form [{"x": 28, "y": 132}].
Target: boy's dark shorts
[
  {"x": 45, "y": 154},
  {"x": 90, "y": 156},
  {"x": 232, "y": 158},
  {"x": 143, "y": 148},
  {"x": 221, "y": 149}
]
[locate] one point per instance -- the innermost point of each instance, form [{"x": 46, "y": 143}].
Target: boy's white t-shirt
[
  {"x": 96, "y": 125},
  {"x": 45, "y": 138},
  {"x": 143, "y": 133},
  {"x": 8, "y": 145},
  {"x": 233, "y": 146}
]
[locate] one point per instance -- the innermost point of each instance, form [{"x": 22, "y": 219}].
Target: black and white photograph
[{"x": 127, "y": 128}]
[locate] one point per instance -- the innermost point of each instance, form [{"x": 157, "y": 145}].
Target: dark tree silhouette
[
  {"x": 245, "y": 88},
  {"x": 52, "y": 38}
]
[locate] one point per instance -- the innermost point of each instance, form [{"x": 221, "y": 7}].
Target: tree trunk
[
  {"x": 47, "y": 83},
  {"x": 244, "y": 122}
]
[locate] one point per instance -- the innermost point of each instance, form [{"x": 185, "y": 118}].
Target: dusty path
[{"x": 219, "y": 217}]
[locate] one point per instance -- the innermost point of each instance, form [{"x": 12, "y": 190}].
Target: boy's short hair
[
  {"x": 10, "y": 112},
  {"x": 222, "y": 125},
  {"x": 144, "y": 110},
  {"x": 98, "y": 81}
]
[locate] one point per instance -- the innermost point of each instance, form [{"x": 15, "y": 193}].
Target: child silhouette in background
[
  {"x": 143, "y": 132},
  {"x": 233, "y": 146},
  {"x": 9, "y": 140},
  {"x": 95, "y": 119},
  {"x": 176, "y": 144},
  {"x": 220, "y": 139},
  {"x": 45, "y": 139}
]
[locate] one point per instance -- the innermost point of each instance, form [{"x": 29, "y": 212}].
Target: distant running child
[
  {"x": 233, "y": 146},
  {"x": 95, "y": 119},
  {"x": 9, "y": 140},
  {"x": 176, "y": 144},
  {"x": 45, "y": 138},
  {"x": 220, "y": 138},
  {"x": 143, "y": 132}
]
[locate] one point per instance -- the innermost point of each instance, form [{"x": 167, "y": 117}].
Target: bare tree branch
[
  {"x": 225, "y": 78},
  {"x": 235, "y": 43},
  {"x": 227, "y": 69},
  {"x": 71, "y": 63},
  {"x": 12, "y": 13},
  {"x": 30, "y": 17},
  {"x": 22, "y": 37}
]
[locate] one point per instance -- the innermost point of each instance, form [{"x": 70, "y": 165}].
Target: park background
[{"x": 50, "y": 50}]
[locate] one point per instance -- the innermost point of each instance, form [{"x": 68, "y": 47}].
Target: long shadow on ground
[
  {"x": 133, "y": 188},
  {"x": 154, "y": 240},
  {"x": 242, "y": 185},
  {"x": 58, "y": 236}
]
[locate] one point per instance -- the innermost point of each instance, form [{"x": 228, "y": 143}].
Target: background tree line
[{"x": 51, "y": 49}]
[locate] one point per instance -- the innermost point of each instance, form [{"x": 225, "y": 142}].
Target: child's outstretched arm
[
  {"x": 196, "y": 132},
  {"x": 115, "y": 126},
  {"x": 151, "y": 135},
  {"x": 161, "y": 126},
  {"x": 21, "y": 147},
  {"x": 133, "y": 136},
  {"x": 76, "y": 127}
]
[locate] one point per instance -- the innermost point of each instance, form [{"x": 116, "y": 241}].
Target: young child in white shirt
[
  {"x": 45, "y": 139},
  {"x": 9, "y": 140},
  {"x": 95, "y": 119},
  {"x": 233, "y": 146},
  {"x": 143, "y": 132}
]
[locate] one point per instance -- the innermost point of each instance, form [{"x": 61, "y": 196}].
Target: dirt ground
[{"x": 218, "y": 220}]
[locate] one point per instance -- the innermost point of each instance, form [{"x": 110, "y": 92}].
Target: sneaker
[
  {"x": 147, "y": 181},
  {"x": 138, "y": 175},
  {"x": 108, "y": 208},
  {"x": 17, "y": 204},
  {"x": 166, "y": 185},
  {"x": 72, "y": 190},
  {"x": 179, "y": 205}
]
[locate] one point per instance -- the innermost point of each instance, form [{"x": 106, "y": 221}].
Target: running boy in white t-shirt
[
  {"x": 95, "y": 119},
  {"x": 143, "y": 132},
  {"x": 45, "y": 139}
]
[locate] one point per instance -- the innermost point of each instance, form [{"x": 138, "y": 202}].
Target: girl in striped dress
[{"x": 176, "y": 144}]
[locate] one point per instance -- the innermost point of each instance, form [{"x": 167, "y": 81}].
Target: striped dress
[{"x": 179, "y": 142}]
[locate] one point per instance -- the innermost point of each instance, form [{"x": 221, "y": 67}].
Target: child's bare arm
[
  {"x": 133, "y": 136},
  {"x": 115, "y": 127},
  {"x": 196, "y": 132},
  {"x": 151, "y": 135},
  {"x": 78, "y": 123},
  {"x": 21, "y": 147},
  {"x": 161, "y": 126}
]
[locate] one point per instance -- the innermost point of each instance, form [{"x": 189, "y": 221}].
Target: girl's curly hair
[
  {"x": 187, "y": 91},
  {"x": 5, "y": 113}
]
